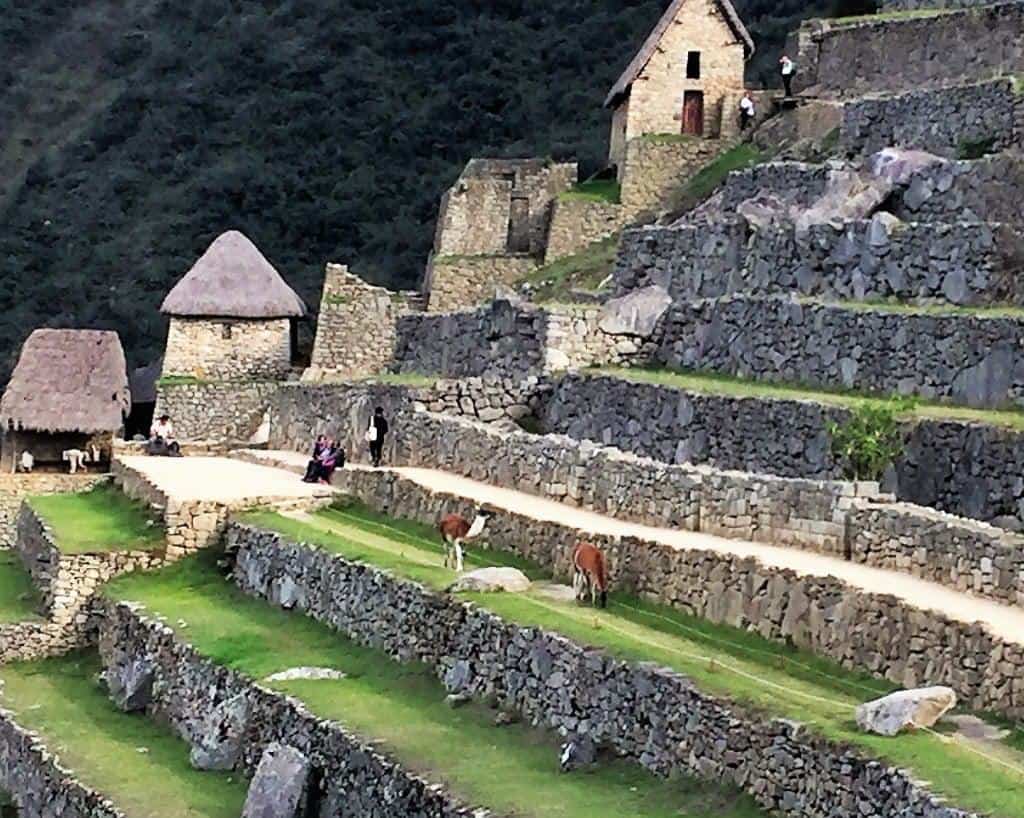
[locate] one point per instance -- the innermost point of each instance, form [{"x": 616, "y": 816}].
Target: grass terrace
[
  {"x": 593, "y": 190},
  {"x": 771, "y": 678},
  {"x": 402, "y": 379},
  {"x": 727, "y": 385},
  {"x": 709, "y": 177},
  {"x": 18, "y": 598},
  {"x": 888, "y": 16},
  {"x": 99, "y": 521},
  {"x": 584, "y": 270},
  {"x": 141, "y": 766},
  {"x": 1004, "y": 311},
  {"x": 513, "y": 770}
]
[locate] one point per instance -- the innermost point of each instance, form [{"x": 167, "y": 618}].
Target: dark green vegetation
[
  {"x": 17, "y": 595},
  {"x": 141, "y": 766},
  {"x": 100, "y": 520},
  {"x": 870, "y": 439},
  {"x": 722, "y": 660},
  {"x": 132, "y": 132},
  {"x": 511, "y": 769}
]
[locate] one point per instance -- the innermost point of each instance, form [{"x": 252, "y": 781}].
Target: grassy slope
[
  {"x": 742, "y": 388},
  {"x": 594, "y": 190},
  {"x": 722, "y": 660},
  {"x": 138, "y": 764},
  {"x": 100, "y": 520},
  {"x": 513, "y": 769},
  {"x": 584, "y": 270},
  {"x": 17, "y": 596}
]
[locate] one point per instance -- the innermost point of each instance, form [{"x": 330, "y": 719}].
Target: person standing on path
[
  {"x": 747, "y": 111},
  {"x": 375, "y": 435},
  {"x": 788, "y": 70}
]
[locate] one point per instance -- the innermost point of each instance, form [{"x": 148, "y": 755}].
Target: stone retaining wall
[
  {"x": 218, "y": 412},
  {"x": 187, "y": 690},
  {"x": 946, "y": 121},
  {"x": 850, "y": 59},
  {"x": 464, "y": 282},
  {"x": 966, "y": 358},
  {"x": 875, "y": 633},
  {"x": 634, "y": 709},
  {"x": 39, "y": 786},
  {"x": 31, "y": 640},
  {"x": 578, "y": 223}
]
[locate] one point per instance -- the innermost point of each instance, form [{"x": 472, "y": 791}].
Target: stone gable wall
[
  {"x": 578, "y": 223},
  {"x": 474, "y": 217},
  {"x": 215, "y": 412},
  {"x": 904, "y": 54},
  {"x": 944, "y": 121},
  {"x": 355, "y": 333},
  {"x": 356, "y": 778},
  {"x": 874, "y": 632},
  {"x": 967, "y": 359},
  {"x": 654, "y": 169},
  {"x": 256, "y": 349},
  {"x": 564, "y": 686},
  {"x": 464, "y": 282}
]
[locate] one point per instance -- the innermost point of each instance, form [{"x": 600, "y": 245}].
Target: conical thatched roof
[
  {"x": 233, "y": 279},
  {"x": 67, "y": 380},
  {"x": 650, "y": 45}
]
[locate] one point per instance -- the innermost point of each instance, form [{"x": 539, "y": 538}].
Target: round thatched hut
[
  {"x": 68, "y": 391},
  {"x": 232, "y": 316}
]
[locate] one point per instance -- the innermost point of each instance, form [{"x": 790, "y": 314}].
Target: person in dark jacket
[
  {"x": 375, "y": 435},
  {"x": 312, "y": 468}
]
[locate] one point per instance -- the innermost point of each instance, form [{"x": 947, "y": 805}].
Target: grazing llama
[
  {"x": 589, "y": 575},
  {"x": 455, "y": 530}
]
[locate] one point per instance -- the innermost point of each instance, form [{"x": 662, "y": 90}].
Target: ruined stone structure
[{"x": 232, "y": 316}]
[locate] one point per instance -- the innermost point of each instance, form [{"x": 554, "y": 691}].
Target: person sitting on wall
[
  {"x": 788, "y": 70},
  {"x": 331, "y": 457},
  {"x": 161, "y": 439},
  {"x": 747, "y": 111},
  {"x": 314, "y": 459}
]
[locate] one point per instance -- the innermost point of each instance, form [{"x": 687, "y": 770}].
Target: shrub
[{"x": 870, "y": 439}]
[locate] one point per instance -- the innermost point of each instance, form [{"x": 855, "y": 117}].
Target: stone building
[
  {"x": 687, "y": 77},
  {"x": 232, "y": 316},
  {"x": 68, "y": 391}
]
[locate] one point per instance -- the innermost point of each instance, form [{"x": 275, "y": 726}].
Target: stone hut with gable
[
  {"x": 232, "y": 316},
  {"x": 69, "y": 390},
  {"x": 687, "y": 77}
]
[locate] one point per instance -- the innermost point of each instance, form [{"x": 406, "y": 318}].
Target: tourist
[
  {"x": 375, "y": 435},
  {"x": 788, "y": 70},
  {"x": 747, "y": 111},
  {"x": 331, "y": 457},
  {"x": 312, "y": 467},
  {"x": 161, "y": 438}
]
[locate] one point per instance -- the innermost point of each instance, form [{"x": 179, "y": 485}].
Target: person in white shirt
[
  {"x": 788, "y": 70},
  {"x": 747, "y": 111},
  {"x": 161, "y": 438}
]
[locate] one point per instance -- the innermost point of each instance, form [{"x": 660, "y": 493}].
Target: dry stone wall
[
  {"x": 215, "y": 412},
  {"x": 461, "y": 282},
  {"x": 578, "y": 223},
  {"x": 632, "y": 708},
  {"x": 876, "y": 633},
  {"x": 966, "y": 358},
  {"x": 852, "y": 59},
  {"x": 189, "y": 690},
  {"x": 228, "y": 349},
  {"x": 946, "y": 121}
]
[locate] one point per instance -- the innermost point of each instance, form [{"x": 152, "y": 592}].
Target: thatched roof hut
[
  {"x": 233, "y": 279},
  {"x": 67, "y": 380}
]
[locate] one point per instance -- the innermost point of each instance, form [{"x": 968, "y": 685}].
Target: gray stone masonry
[
  {"x": 875, "y": 633},
  {"x": 967, "y": 359},
  {"x": 355, "y": 778},
  {"x": 219, "y": 412}
]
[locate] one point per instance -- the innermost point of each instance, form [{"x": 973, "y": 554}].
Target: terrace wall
[
  {"x": 216, "y": 412},
  {"x": 552, "y": 681}
]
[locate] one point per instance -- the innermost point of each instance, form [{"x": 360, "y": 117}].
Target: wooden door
[{"x": 693, "y": 113}]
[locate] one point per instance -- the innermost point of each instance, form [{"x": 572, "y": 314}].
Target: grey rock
[
  {"x": 491, "y": 579},
  {"x": 280, "y": 785},
  {"x": 637, "y": 313},
  {"x": 905, "y": 710},
  {"x": 218, "y": 744},
  {"x": 131, "y": 684},
  {"x": 577, "y": 752}
]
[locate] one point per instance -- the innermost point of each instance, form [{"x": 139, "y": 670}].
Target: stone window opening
[
  {"x": 693, "y": 65},
  {"x": 225, "y": 332}
]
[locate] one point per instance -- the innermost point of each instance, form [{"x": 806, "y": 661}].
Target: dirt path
[{"x": 1002, "y": 620}]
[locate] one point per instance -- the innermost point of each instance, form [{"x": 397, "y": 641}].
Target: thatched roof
[
  {"x": 233, "y": 279},
  {"x": 650, "y": 45},
  {"x": 67, "y": 380}
]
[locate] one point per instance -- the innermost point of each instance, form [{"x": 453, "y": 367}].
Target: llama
[
  {"x": 588, "y": 574},
  {"x": 455, "y": 530}
]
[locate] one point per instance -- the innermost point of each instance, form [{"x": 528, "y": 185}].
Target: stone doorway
[{"x": 693, "y": 113}]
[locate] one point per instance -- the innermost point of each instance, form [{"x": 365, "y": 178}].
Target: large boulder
[
  {"x": 279, "y": 787},
  {"x": 636, "y": 313},
  {"x": 899, "y": 165},
  {"x": 905, "y": 710},
  {"x": 218, "y": 745},
  {"x": 130, "y": 683},
  {"x": 491, "y": 579}
]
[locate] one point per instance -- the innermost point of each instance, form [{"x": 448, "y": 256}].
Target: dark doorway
[
  {"x": 518, "y": 240},
  {"x": 693, "y": 113},
  {"x": 693, "y": 65}
]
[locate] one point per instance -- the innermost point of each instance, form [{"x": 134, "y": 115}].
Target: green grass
[
  {"x": 18, "y": 598},
  {"x": 512, "y": 769},
  {"x": 403, "y": 379},
  {"x": 998, "y": 311},
  {"x": 99, "y": 521},
  {"x": 180, "y": 380},
  {"x": 711, "y": 175},
  {"x": 584, "y": 270},
  {"x": 887, "y": 16},
  {"x": 725, "y": 661},
  {"x": 594, "y": 190},
  {"x": 731, "y": 386},
  {"x": 141, "y": 766}
]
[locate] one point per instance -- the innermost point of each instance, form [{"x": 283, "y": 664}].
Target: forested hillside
[{"x": 132, "y": 132}]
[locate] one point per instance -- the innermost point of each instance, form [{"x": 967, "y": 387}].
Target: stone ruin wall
[
  {"x": 465, "y": 282},
  {"x": 891, "y": 55},
  {"x": 220, "y": 413},
  {"x": 555, "y": 682},
  {"x": 967, "y": 359},
  {"x": 653, "y": 170},
  {"x": 578, "y": 223},
  {"x": 356, "y": 327},
  {"x": 473, "y": 218},
  {"x": 946, "y": 121},
  {"x": 228, "y": 349}
]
